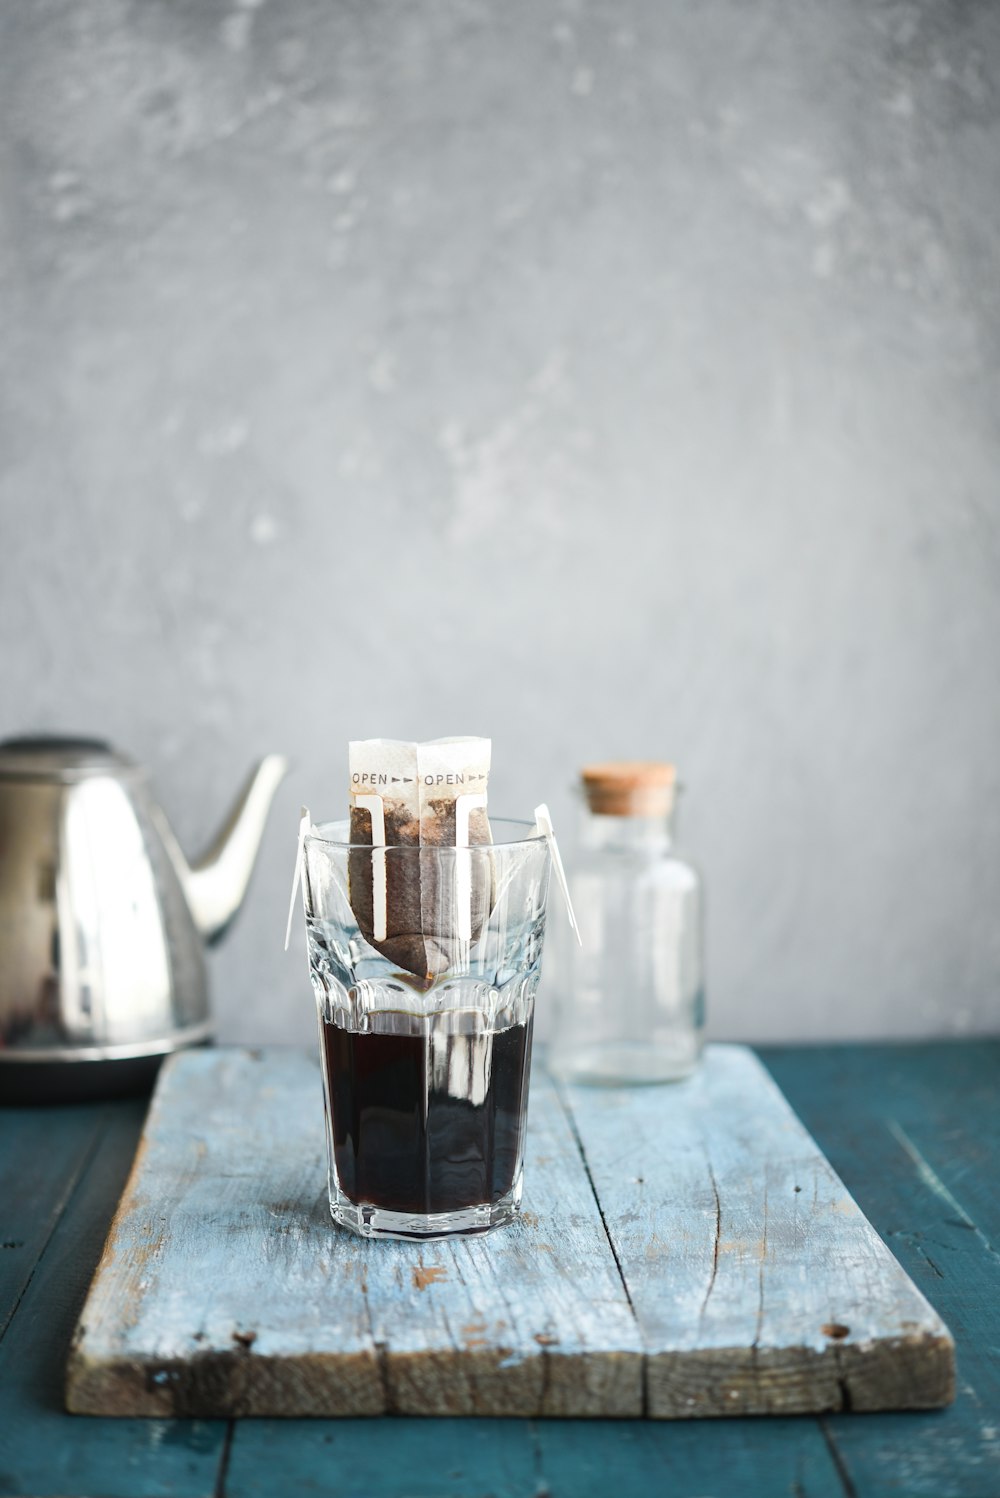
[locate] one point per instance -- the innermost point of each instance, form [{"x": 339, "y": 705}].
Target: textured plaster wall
[{"x": 614, "y": 378}]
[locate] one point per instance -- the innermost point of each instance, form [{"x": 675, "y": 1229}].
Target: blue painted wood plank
[
  {"x": 868, "y": 1106},
  {"x": 523, "y": 1459},
  {"x": 533, "y": 1319},
  {"x": 956, "y": 1153},
  {"x": 45, "y": 1452},
  {"x": 444, "y": 1458},
  {"x": 759, "y": 1286},
  {"x": 223, "y": 1276},
  {"x": 687, "y": 1459},
  {"x": 947, "y": 1453},
  {"x": 42, "y": 1153},
  {"x": 752, "y": 1283},
  {"x": 226, "y": 1288}
]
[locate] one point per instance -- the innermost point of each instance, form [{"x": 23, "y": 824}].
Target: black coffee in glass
[{"x": 427, "y": 1123}]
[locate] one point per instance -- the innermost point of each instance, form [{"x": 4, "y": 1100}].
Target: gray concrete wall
[{"x": 614, "y": 378}]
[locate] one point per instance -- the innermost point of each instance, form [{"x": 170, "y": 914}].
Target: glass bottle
[{"x": 629, "y": 1002}]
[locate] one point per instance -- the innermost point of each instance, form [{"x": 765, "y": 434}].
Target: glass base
[
  {"x": 626, "y": 1063},
  {"x": 378, "y": 1222}
]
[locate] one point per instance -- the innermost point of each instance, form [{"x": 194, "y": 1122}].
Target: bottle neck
[{"x": 625, "y": 833}]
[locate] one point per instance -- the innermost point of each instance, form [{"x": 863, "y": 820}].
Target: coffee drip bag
[{"x": 419, "y": 910}]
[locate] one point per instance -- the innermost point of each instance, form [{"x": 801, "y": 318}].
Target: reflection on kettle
[{"x": 102, "y": 919}]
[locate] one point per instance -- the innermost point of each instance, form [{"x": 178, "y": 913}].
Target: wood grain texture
[
  {"x": 42, "y": 1451},
  {"x": 443, "y": 1458},
  {"x": 740, "y": 1277},
  {"x": 921, "y": 1143},
  {"x": 43, "y": 1156},
  {"x": 759, "y": 1285},
  {"x": 942, "y": 1096},
  {"x": 473, "y": 1458},
  {"x": 225, "y": 1289}
]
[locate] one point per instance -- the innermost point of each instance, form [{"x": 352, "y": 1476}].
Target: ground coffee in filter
[{"x": 419, "y": 911}]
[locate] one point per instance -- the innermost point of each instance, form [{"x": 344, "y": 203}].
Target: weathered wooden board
[
  {"x": 759, "y": 1286},
  {"x": 226, "y": 1289},
  {"x": 921, "y": 1139},
  {"x": 703, "y": 1260},
  {"x": 42, "y": 1451}
]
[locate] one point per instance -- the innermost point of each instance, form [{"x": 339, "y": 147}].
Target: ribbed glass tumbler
[{"x": 425, "y": 1024}]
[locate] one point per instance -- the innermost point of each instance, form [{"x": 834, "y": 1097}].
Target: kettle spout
[{"x": 217, "y": 883}]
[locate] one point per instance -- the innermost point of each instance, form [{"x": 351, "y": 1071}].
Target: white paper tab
[
  {"x": 543, "y": 822},
  {"x": 305, "y": 823}
]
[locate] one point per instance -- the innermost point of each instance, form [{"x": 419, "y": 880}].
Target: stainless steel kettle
[{"x": 102, "y": 919}]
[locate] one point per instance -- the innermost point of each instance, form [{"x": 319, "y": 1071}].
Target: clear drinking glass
[{"x": 426, "y": 1078}]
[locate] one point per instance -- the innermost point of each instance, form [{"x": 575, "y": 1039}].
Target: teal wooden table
[{"x": 914, "y": 1131}]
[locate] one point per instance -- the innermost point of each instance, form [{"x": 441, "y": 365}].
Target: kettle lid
[{"x": 55, "y": 757}]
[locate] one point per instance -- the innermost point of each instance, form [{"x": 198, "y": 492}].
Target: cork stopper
[{"x": 630, "y": 788}]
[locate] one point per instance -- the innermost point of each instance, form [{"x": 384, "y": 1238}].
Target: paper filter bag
[{"x": 419, "y": 910}]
